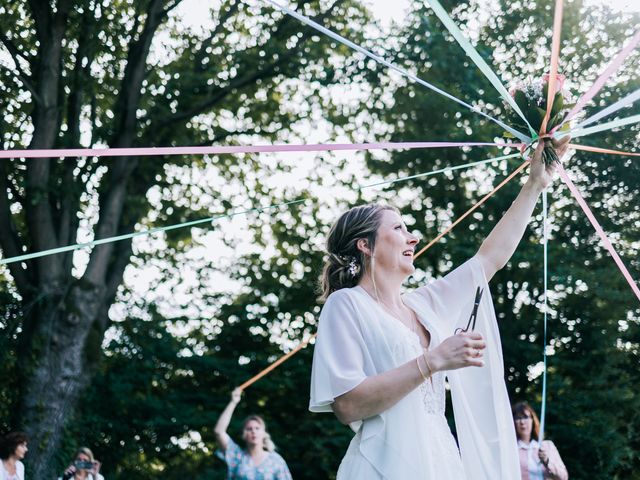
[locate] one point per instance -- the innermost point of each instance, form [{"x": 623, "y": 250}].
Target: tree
[{"x": 89, "y": 72}]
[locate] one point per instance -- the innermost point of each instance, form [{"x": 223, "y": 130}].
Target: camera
[{"x": 83, "y": 464}]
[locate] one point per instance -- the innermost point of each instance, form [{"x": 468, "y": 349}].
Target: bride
[{"x": 381, "y": 357}]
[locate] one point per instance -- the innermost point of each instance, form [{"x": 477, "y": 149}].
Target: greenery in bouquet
[{"x": 531, "y": 96}]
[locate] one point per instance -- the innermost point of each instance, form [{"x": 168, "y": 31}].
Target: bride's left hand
[{"x": 541, "y": 175}]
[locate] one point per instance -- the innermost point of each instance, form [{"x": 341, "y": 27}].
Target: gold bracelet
[
  {"x": 420, "y": 369},
  {"x": 424, "y": 355}
]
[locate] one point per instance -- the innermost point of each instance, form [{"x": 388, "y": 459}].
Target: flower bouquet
[{"x": 531, "y": 96}]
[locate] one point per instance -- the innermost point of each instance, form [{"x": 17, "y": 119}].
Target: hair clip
[{"x": 353, "y": 267}]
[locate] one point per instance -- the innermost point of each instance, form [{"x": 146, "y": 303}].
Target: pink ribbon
[
  {"x": 320, "y": 147},
  {"x": 604, "y": 76},
  {"x": 599, "y": 230}
]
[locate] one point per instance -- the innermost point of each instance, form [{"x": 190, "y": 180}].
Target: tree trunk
[
  {"x": 62, "y": 335},
  {"x": 62, "y": 357}
]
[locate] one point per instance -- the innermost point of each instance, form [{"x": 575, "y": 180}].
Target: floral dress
[{"x": 241, "y": 467}]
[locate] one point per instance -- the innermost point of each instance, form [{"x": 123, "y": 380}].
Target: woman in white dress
[{"x": 381, "y": 357}]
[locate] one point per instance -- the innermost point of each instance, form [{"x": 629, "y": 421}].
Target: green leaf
[
  {"x": 535, "y": 115},
  {"x": 558, "y": 104},
  {"x": 521, "y": 100}
]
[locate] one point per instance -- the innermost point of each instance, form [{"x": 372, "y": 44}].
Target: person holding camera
[
  {"x": 13, "y": 448},
  {"x": 258, "y": 460},
  {"x": 84, "y": 467}
]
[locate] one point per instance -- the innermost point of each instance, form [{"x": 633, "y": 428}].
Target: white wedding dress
[{"x": 412, "y": 440}]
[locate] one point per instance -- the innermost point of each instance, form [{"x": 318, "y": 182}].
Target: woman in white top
[
  {"x": 13, "y": 448},
  {"x": 381, "y": 357},
  {"x": 537, "y": 461}
]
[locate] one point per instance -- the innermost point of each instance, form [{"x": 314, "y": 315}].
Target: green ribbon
[
  {"x": 477, "y": 59},
  {"x": 442, "y": 170},
  {"x": 581, "y": 132},
  {"x": 68, "y": 248}
]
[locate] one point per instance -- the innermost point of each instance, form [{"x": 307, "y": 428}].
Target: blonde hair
[
  {"x": 84, "y": 451},
  {"x": 345, "y": 264},
  {"x": 268, "y": 444}
]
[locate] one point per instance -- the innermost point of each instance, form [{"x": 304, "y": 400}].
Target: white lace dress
[
  {"x": 412, "y": 439},
  {"x": 436, "y": 435}
]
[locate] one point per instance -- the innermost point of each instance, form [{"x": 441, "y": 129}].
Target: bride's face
[{"x": 394, "y": 247}]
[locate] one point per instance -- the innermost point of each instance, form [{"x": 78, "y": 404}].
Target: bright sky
[{"x": 396, "y": 10}]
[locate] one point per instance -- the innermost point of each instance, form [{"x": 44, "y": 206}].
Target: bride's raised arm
[{"x": 497, "y": 248}]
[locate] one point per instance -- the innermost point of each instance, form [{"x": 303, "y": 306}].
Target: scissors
[{"x": 471, "y": 324}]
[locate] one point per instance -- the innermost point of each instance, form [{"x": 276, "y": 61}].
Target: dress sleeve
[
  {"x": 339, "y": 354},
  {"x": 449, "y": 295},
  {"x": 556, "y": 469},
  {"x": 282, "y": 472},
  {"x": 232, "y": 455}
]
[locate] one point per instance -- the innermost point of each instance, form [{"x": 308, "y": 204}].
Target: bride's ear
[{"x": 363, "y": 245}]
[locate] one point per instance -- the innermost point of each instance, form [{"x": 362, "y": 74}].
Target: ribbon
[
  {"x": 468, "y": 212},
  {"x": 394, "y": 67},
  {"x": 68, "y": 248},
  {"x": 555, "y": 56},
  {"x": 603, "y": 236},
  {"x": 476, "y": 58},
  {"x": 604, "y": 76},
  {"x": 275, "y": 364},
  {"x": 545, "y": 262},
  {"x": 581, "y": 132},
  {"x": 623, "y": 102},
  {"x": 442, "y": 170},
  {"x": 218, "y": 150},
  {"x": 588, "y": 148}
]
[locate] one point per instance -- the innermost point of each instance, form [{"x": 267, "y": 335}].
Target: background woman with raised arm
[
  {"x": 258, "y": 460},
  {"x": 381, "y": 356}
]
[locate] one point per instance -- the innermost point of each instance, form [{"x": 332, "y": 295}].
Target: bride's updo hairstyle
[{"x": 345, "y": 265}]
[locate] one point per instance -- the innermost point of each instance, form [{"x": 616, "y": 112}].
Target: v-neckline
[
  {"x": 398, "y": 321},
  {"x": 257, "y": 465}
]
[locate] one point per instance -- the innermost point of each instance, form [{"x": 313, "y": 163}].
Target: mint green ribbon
[
  {"x": 545, "y": 273},
  {"x": 68, "y": 248},
  {"x": 442, "y": 170},
  {"x": 623, "y": 102},
  {"x": 581, "y": 132},
  {"x": 477, "y": 59}
]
